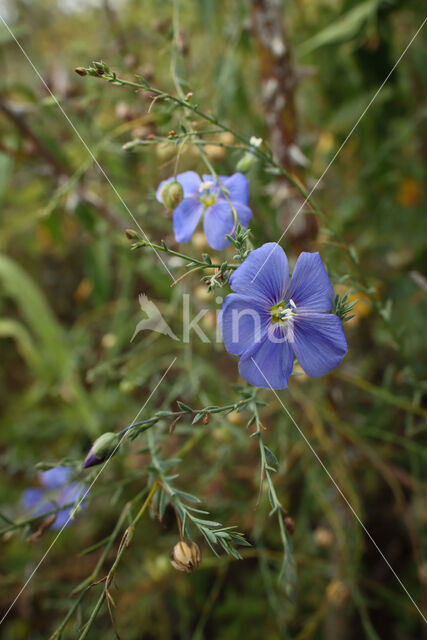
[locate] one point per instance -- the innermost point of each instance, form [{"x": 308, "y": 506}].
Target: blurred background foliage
[{"x": 69, "y": 306}]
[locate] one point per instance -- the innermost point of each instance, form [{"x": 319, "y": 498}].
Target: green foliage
[{"x": 182, "y": 89}]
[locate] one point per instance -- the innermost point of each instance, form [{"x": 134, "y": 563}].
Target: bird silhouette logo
[{"x": 154, "y": 320}]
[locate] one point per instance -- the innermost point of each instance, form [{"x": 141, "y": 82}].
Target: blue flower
[
  {"x": 55, "y": 491},
  {"x": 207, "y": 197},
  {"x": 269, "y": 320}
]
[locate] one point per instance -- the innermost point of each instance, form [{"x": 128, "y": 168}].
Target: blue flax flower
[
  {"x": 270, "y": 320},
  {"x": 208, "y": 197},
  {"x": 55, "y": 491}
]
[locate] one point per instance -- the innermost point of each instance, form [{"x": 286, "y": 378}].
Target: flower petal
[
  {"x": 243, "y": 213},
  {"x": 185, "y": 218},
  {"x": 62, "y": 519},
  {"x": 207, "y": 177},
  {"x": 270, "y": 365},
  {"x": 217, "y": 222},
  {"x": 310, "y": 287},
  {"x": 243, "y": 322},
  {"x": 237, "y": 186},
  {"x": 73, "y": 492},
  {"x": 264, "y": 274},
  {"x": 189, "y": 180},
  {"x": 54, "y": 478},
  {"x": 31, "y": 497},
  {"x": 319, "y": 343}
]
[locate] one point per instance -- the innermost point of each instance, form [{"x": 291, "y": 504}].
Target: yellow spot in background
[
  {"x": 409, "y": 192},
  {"x": 108, "y": 340},
  {"x": 361, "y": 309},
  {"x": 337, "y": 593},
  {"x": 216, "y": 152},
  {"x": 301, "y": 375},
  {"x": 326, "y": 142},
  {"x": 83, "y": 291},
  {"x": 363, "y": 306},
  {"x": 235, "y": 417},
  {"x": 199, "y": 240}
]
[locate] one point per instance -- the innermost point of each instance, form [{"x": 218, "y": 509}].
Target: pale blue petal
[
  {"x": 185, "y": 218},
  {"x": 310, "y": 287},
  {"x": 263, "y": 275},
  {"x": 243, "y": 213},
  {"x": 31, "y": 497},
  {"x": 319, "y": 343},
  {"x": 237, "y": 186},
  {"x": 206, "y": 177},
  {"x": 243, "y": 322},
  {"x": 217, "y": 223},
  {"x": 54, "y": 478},
  {"x": 74, "y": 492},
  {"x": 71, "y": 492},
  {"x": 190, "y": 182},
  {"x": 270, "y": 365},
  {"x": 62, "y": 519}
]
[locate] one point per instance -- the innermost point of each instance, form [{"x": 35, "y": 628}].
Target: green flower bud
[
  {"x": 171, "y": 194},
  {"x": 102, "y": 448},
  {"x": 246, "y": 162}
]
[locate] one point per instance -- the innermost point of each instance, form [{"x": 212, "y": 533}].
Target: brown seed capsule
[
  {"x": 185, "y": 556},
  {"x": 81, "y": 71},
  {"x": 289, "y": 523},
  {"x": 337, "y": 593}
]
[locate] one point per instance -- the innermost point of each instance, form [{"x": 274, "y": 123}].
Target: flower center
[
  {"x": 282, "y": 312},
  {"x": 208, "y": 194}
]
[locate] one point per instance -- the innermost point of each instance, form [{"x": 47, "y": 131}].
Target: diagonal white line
[
  {"x": 345, "y": 141},
  {"x": 24, "y": 586},
  {"x": 92, "y": 155},
  {"x": 316, "y": 455}
]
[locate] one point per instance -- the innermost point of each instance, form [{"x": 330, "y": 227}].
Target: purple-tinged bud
[
  {"x": 171, "y": 194},
  {"x": 103, "y": 447}
]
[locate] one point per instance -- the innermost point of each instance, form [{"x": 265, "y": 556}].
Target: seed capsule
[
  {"x": 185, "y": 556},
  {"x": 289, "y": 523},
  {"x": 171, "y": 194}
]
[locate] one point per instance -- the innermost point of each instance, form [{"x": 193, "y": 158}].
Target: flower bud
[
  {"x": 171, "y": 194},
  {"x": 102, "y": 448},
  {"x": 81, "y": 71},
  {"x": 246, "y": 162},
  {"x": 185, "y": 556}
]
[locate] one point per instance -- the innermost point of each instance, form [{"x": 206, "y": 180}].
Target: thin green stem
[
  {"x": 178, "y": 254},
  {"x": 127, "y": 537},
  {"x": 186, "y": 104},
  {"x": 85, "y": 586}
]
